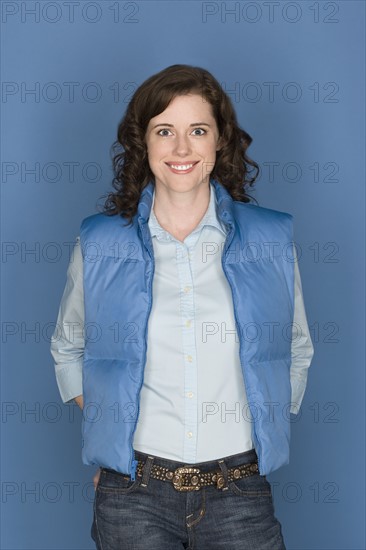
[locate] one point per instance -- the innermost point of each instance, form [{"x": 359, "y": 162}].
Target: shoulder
[
  {"x": 257, "y": 222},
  {"x": 246, "y": 213},
  {"x": 100, "y": 222}
]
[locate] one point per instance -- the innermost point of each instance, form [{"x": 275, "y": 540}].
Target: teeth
[{"x": 181, "y": 167}]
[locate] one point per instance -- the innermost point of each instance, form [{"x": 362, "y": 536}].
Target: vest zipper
[
  {"x": 227, "y": 244},
  {"x": 133, "y": 469},
  {"x": 133, "y": 461}
]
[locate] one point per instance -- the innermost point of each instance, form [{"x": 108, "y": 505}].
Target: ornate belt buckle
[{"x": 178, "y": 479}]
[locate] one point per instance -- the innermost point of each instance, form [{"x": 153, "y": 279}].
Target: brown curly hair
[{"x": 129, "y": 154}]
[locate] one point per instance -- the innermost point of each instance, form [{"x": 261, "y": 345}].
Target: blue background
[{"x": 310, "y": 131}]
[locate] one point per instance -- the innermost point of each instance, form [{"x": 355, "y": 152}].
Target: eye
[
  {"x": 202, "y": 130},
  {"x": 163, "y": 130}
]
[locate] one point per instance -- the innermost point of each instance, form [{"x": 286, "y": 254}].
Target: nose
[{"x": 182, "y": 146}]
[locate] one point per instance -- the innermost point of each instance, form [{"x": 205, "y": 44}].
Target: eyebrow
[{"x": 194, "y": 124}]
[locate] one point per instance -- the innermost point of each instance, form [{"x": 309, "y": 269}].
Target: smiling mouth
[{"x": 180, "y": 167}]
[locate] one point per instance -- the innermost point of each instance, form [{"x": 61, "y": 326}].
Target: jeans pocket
[
  {"x": 113, "y": 483},
  {"x": 112, "y": 508},
  {"x": 255, "y": 486}
]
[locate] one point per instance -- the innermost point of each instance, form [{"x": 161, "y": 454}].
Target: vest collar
[{"x": 225, "y": 203}]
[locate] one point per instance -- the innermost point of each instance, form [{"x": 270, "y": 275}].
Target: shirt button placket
[{"x": 189, "y": 350}]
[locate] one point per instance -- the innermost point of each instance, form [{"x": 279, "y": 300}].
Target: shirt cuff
[
  {"x": 298, "y": 386},
  {"x": 69, "y": 380}
]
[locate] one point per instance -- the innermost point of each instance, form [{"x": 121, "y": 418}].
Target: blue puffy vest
[{"x": 118, "y": 264}]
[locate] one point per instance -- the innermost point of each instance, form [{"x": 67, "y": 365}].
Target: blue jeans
[{"x": 129, "y": 516}]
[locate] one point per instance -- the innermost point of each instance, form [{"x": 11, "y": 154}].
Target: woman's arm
[
  {"x": 302, "y": 349},
  {"x": 67, "y": 342}
]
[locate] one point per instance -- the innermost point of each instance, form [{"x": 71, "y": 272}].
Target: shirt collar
[{"x": 210, "y": 218}]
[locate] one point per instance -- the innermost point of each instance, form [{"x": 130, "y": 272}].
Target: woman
[{"x": 186, "y": 371}]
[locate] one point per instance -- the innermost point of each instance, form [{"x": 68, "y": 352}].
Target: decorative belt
[{"x": 189, "y": 478}]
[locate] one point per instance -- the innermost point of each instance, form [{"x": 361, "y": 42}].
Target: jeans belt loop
[
  {"x": 222, "y": 481},
  {"x": 146, "y": 471}
]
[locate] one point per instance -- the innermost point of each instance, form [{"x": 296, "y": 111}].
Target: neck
[{"x": 181, "y": 211}]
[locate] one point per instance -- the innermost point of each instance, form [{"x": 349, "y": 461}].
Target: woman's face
[{"x": 182, "y": 142}]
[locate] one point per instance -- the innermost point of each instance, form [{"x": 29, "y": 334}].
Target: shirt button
[
  {"x": 187, "y": 288},
  {"x": 189, "y": 357},
  {"x": 188, "y": 323},
  {"x": 190, "y": 394},
  {"x": 189, "y": 434}
]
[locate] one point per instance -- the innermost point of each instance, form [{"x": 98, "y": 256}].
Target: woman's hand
[
  {"x": 80, "y": 401},
  {"x": 96, "y": 478}
]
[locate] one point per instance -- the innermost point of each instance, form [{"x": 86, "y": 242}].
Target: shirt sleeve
[
  {"x": 302, "y": 349},
  {"x": 67, "y": 341}
]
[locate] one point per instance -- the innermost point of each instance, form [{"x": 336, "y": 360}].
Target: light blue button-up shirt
[{"x": 193, "y": 404}]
